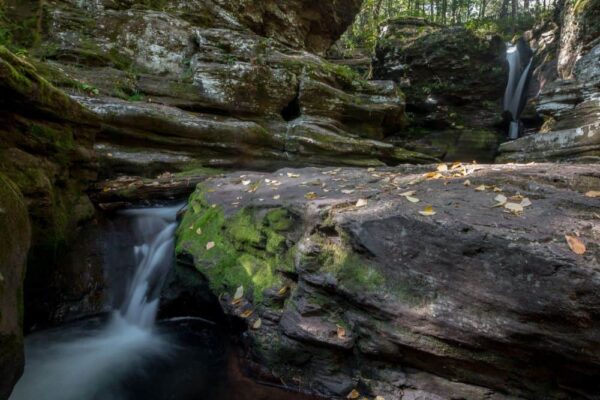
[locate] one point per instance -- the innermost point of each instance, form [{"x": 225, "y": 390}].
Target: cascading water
[
  {"x": 519, "y": 59},
  {"x": 84, "y": 362}
]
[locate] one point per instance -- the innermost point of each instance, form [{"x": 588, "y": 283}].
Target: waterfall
[
  {"x": 155, "y": 231},
  {"x": 519, "y": 58},
  {"x": 87, "y": 362}
]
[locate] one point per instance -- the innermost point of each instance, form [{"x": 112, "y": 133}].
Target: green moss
[
  {"x": 247, "y": 250},
  {"x": 279, "y": 219}
]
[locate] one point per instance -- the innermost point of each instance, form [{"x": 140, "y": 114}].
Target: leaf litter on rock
[{"x": 575, "y": 244}]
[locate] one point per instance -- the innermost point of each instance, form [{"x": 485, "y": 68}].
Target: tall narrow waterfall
[
  {"x": 519, "y": 59},
  {"x": 87, "y": 362}
]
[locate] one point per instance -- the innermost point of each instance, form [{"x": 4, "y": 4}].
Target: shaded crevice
[{"x": 293, "y": 110}]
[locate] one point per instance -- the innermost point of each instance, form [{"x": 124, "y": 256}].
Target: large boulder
[
  {"x": 453, "y": 79},
  {"x": 191, "y": 77},
  {"x": 15, "y": 236},
  {"x": 345, "y": 285}
]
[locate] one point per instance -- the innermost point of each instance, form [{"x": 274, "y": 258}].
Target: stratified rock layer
[
  {"x": 344, "y": 284},
  {"x": 221, "y": 84}
]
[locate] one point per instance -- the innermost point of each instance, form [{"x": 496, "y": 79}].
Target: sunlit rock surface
[{"x": 347, "y": 285}]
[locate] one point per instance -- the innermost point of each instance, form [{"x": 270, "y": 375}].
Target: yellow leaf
[
  {"x": 593, "y": 193},
  {"x": 433, "y": 175},
  {"x": 467, "y": 183},
  {"x": 310, "y": 196},
  {"x": 292, "y": 175},
  {"x": 276, "y": 197},
  {"x": 456, "y": 165},
  {"x": 427, "y": 211},
  {"x": 347, "y": 191},
  {"x": 236, "y": 302},
  {"x": 199, "y": 231},
  {"x": 525, "y": 202},
  {"x": 575, "y": 244},
  {"x": 282, "y": 291},
  {"x": 239, "y": 293},
  {"x": 246, "y": 183},
  {"x": 442, "y": 168},
  {"x": 481, "y": 188},
  {"x": 362, "y": 202},
  {"x": 496, "y": 189},
  {"x": 371, "y": 169},
  {"x": 257, "y": 324},
  {"x": 412, "y": 199},
  {"x": 246, "y": 313},
  {"x": 341, "y": 332},
  {"x": 379, "y": 398},
  {"x": 514, "y": 208},
  {"x": 353, "y": 394},
  {"x": 210, "y": 245}
]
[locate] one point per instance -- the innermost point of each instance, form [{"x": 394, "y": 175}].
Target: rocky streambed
[{"x": 408, "y": 282}]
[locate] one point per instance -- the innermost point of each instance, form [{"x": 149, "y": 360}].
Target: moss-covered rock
[{"x": 15, "y": 236}]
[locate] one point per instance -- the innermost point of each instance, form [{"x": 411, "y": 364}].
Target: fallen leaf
[
  {"x": 442, "y": 168},
  {"x": 341, "y": 332},
  {"x": 199, "y": 231},
  {"x": 257, "y": 324},
  {"x": 246, "y": 313},
  {"x": 210, "y": 245},
  {"x": 246, "y": 183},
  {"x": 347, "y": 191},
  {"x": 427, "y": 211},
  {"x": 361, "y": 202},
  {"x": 282, "y": 291},
  {"x": 379, "y": 398},
  {"x": 593, "y": 193},
  {"x": 276, "y": 197},
  {"x": 496, "y": 189},
  {"x": 292, "y": 175},
  {"x": 481, "y": 188},
  {"x": 575, "y": 244},
  {"x": 525, "y": 202},
  {"x": 456, "y": 165},
  {"x": 433, "y": 175},
  {"x": 514, "y": 208},
  {"x": 353, "y": 394},
  {"x": 500, "y": 200},
  {"x": 236, "y": 302},
  {"x": 406, "y": 194},
  {"x": 412, "y": 199},
  {"x": 371, "y": 169},
  {"x": 310, "y": 196},
  {"x": 239, "y": 293},
  {"x": 467, "y": 183}
]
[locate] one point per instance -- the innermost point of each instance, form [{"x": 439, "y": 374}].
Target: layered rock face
[
  {"x": 46, "y": 143},
  {"x": 221, "y": 84},
  {"x": 569, "y": 90},
  {"x": 454, "y": 82},
  {"x": 15, "y": 236},
  {"x": 346, "y": 281}
]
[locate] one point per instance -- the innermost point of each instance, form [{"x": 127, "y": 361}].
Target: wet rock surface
[
  {"x": 15, "y": 238},
  {"x": 345, "y": 285}
]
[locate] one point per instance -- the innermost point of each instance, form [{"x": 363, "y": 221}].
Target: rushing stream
[{"x": 127, "y": 355}]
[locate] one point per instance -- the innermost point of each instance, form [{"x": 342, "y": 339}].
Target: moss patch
[{"x": 249, "y": 246}]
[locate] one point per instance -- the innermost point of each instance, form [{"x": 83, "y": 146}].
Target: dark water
[
  {"x": 100, "y": 358},
  {"x": 126, "y": 354}
]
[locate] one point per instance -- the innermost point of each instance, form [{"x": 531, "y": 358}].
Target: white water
[
  {"x": 85, "y": 364},
  {"x": 515, "y": 88}
]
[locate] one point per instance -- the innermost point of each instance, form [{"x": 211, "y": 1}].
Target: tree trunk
[{"x": 504, "y": 9}]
